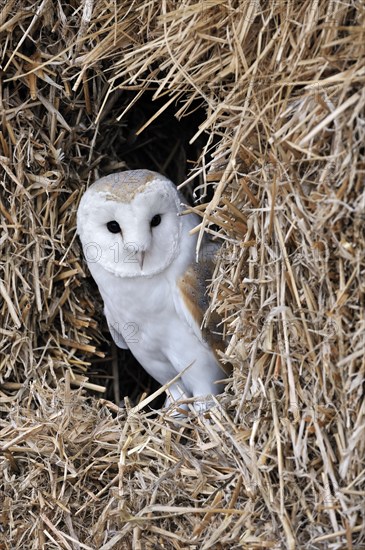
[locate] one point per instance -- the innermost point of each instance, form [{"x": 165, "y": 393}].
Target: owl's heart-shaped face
[{"x": 128, "y": 223}]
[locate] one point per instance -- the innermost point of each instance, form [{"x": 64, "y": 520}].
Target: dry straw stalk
[{"x": 278, "y": 462}]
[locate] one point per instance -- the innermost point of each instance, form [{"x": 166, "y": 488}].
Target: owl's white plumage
[{"x": 152, "y": 288}]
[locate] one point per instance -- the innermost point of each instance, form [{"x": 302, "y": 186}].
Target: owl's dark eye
[
  {"x": 113, "y": 227},
  {"x": 156, "y": 220}
]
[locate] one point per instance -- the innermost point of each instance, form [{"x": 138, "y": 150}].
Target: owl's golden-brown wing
[{"x": 192, "y": 302}]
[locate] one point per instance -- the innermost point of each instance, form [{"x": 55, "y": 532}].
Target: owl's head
[{"x": 128, "y": 223}]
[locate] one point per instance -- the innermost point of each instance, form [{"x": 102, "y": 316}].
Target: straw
[{"x": 259, "y": 107}]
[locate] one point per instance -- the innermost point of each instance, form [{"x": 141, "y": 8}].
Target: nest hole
[{"x": 163, "y": 146}]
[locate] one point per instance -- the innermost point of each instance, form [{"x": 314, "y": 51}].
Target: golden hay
[{"x": 272, "y": 97}]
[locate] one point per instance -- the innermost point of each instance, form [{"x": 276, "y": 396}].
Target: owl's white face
[{"x": 128, "y": 223}]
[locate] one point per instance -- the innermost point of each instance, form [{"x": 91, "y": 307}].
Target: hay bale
[{"x": 279, "y": 461}]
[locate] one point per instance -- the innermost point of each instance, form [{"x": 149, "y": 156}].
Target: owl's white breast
[{"x": 142, "y": 309}]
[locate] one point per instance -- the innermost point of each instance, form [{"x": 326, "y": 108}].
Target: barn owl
[{"x": 139, "y": 251}]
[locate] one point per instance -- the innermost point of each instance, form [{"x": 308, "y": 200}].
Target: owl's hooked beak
[{"x": 140, "y": 258}]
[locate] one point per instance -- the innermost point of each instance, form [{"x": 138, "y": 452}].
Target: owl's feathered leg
[{"x": 175, "y": 393}]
